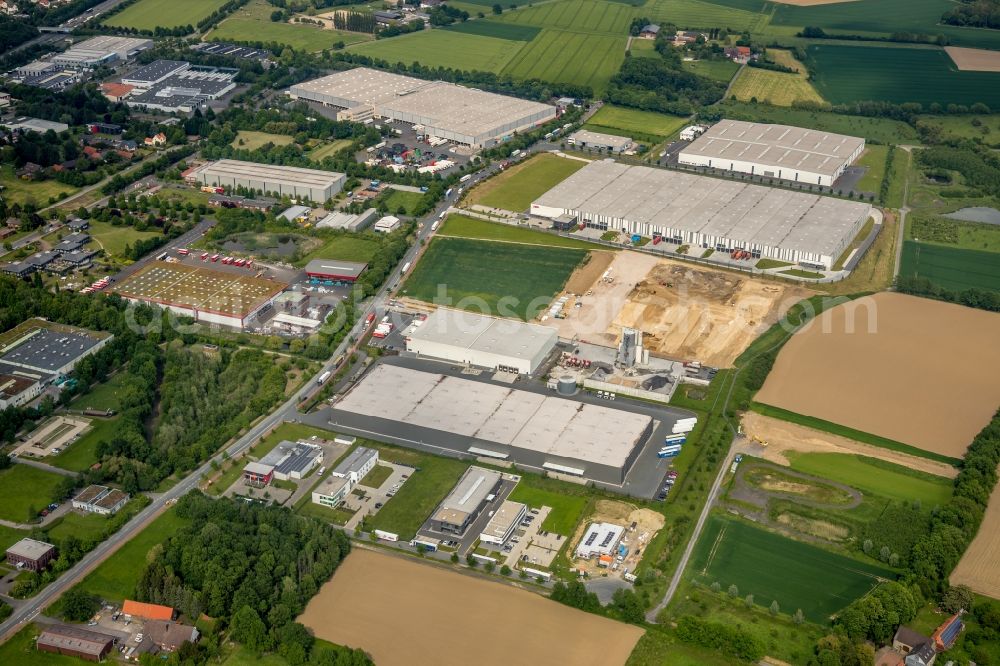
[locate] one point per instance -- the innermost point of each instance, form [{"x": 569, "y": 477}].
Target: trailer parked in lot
[
  {"x": 674, "y": 439},
  {"x": 669, "y": 451}
]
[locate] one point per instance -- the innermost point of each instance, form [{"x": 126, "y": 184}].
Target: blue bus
[{"x": 674, "y": 439}]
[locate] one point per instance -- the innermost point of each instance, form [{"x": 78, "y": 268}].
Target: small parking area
[
  {"x": 396, "y": 340},
  {"x": 370, "y": 500}
]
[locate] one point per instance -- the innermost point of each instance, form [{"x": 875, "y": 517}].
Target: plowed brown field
[
  {"x": 979, "y": 568},
  {"x": 918, "y": 371},
  {"x": 404, "y": 612}
]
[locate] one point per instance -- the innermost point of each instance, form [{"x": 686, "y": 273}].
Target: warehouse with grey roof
[
  {"x": 706, "y": 212},
  {"x": 445, "y": 110},
  {"x": 537, "y": 430},
  {"x": 774, "y": 151},
  {"x": 269, "y": 179}
]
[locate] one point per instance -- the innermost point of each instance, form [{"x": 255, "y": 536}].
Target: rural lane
[{"x": 287, "y": 411}]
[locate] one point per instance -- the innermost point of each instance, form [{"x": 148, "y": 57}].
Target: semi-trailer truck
[
  {"x": 669, "y": 451},
  {"x": 405, "y": 268},
  {"x": 322, "y": 378},
  {"x": 674, "y": 439}
]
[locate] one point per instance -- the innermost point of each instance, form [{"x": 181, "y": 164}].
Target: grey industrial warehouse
[
  {"x": 708, "y": 212},
  {"x": 774, "y": 151},
  {"x": 541, "y": 431},
  {"x": 465, "y": 501},
  {"x": 267, "y": 179},
  {"x": 444, "y": 110},
  {"x": 612, "y": 143},
  {"x": 489, "y": 342},
  {"x": 102, "y": 50},
  {"x": 175, "y": 85}
]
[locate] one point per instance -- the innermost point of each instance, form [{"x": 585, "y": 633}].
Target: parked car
[{"x": 378, "y": 505}]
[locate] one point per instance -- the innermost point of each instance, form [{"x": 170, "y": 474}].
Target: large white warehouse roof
[
  {"x": 706, "y": 209},
  {"x": 511, "y": 417},
  {"x": 776, "y": 146},
  {"x": 490, "y": 335}
]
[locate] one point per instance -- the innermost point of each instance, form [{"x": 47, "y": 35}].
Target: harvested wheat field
[
  {"x": 974, "y": 60},
  {"x": 782, "y": 437},
  {"x": 405, "y": 612},
  {"x": 918, "y": 371},
  {"x": 695, "y": 313},
  {"x": 979, "y": 567}
]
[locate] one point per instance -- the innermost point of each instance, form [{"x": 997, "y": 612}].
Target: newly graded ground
[
  {"x": 151, "y": 14},
  {"x": 775, "y": 568},
  {"x": 844, "y": 74},
  {"x": 778, "y": 88},
  {"x": 414, "y": 603},
  {"x": 509, "y": 279},
  {"x": 24, "y": 491},
  {"x": 917, "y": 371},
  {"x": 515, "y": 188}
]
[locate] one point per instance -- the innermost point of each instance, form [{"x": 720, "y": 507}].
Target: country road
[{"x": 25, "y": 612}]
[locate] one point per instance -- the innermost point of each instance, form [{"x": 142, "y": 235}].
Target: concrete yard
[{"x": 57, "y": 433}]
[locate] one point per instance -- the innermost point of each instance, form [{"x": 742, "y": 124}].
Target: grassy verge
[
  {"x": 766, "y": 263},
  {"x": 376, "y": 477},
  {"x": 797, "y": 272},
  {"x": 463, "y": 226},
  {"x": 862, "y": 235},
  {"x": 82, "y": 453},
  {"x": 566, "y": 509},
  {"x": 875, "y": 476},
  {"x": 850, "y": 433},
  {"x": 24, "y": 491},
  {"x": 515, "y": 188}
]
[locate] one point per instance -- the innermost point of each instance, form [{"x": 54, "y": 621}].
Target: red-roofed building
[
  {"x": 946, "y": 635},
  {"x": 116, "y": 92},
  {"x": 147, "y": 611}
]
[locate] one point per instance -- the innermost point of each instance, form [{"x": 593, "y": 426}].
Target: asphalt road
[{"x": 287, "y": 411}]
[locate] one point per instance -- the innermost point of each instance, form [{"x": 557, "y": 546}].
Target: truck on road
[
  {"x": 405, "y": 268},
  {"x": 466, "y": 178},
  {"x": 322, "y": 378}
]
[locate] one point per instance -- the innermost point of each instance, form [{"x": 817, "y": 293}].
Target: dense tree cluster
[
  {"x": 876, "y": 616},
  {"x": 446, "y": 15},
  {"x": 76, "y": 105},
  {"x": 979, "y": 168},
  {"x": 576, "y": 595},
  {"x": 253, "y": 567},
  {"x": 974, "y": 14},
  {"x": 160, "y": 164},
  {"x": 972, "y": 297},
  {"x": 14, "y": 32},
  {"x": 661, "y": 84},
  {"x": 731, "y": 641}
]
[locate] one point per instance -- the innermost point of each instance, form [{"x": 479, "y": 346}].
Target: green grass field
[
  {"x": 566, "y": 509},
  {"x": 443, "y": 48},
  {"x": 515, "y": 189},
  {"x": 114, "y": 239},
  {"x": 563, "y": 56},
  {"x": 345, "y": 248},
  {"x": 882, "y": 130},
  {"x": 845, "y": 74},
  {"x": 984, "y": 128},
  {"x": 251, "y": 140},
  {"x": 875, "y": 477},
  {"x": 495, "y": 28},
  {"x": 948, "y": 232},
  {"x": 732, "y": 14},
  {"x": 115, "y": 578},
  {"x": 87, "y": 527},
  {"x": 951, "y": 268},
  {"x": 885, "y": 17},
  {"x": 21, "y": 192},
  {"x": 509, "y": 279},
  {"x": 83, "y": 452},
  {"x": 377, "y": 476},
  {"x": 775, "y": 568},
  {"x": 586, "y": 16},
  {"x": 634, "y": 120},
  {"x": 150, "y": 14},
  {"x": 420, "y": 494},
  {"x": 874, "y": 159},
  {"x": 253, "y": 23},
  {"x": 395, "y": 199},
  {"x": 778, "y": 88},
  {"x": 850, "y": 433},
  {"x": 469, "y": 227},
  {"x": 24, "y": 491},
  {"x": 10, "y": 536},
  {"x": 318, "y": 154},
  {"x": 646, "y": 48},
  {"x": 100, "y": 396},
  {"x": 717, "y": 70}
]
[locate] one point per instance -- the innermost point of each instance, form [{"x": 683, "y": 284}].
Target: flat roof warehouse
[
  {"x": 449, "y": 111},
  {"x": 708, "y": 212}
]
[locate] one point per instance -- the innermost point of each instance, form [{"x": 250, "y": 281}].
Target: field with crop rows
[
  {"x": 570, "y": 57},
  {"x": 151, "y": 14},
  {"x": 508, "y": 31},
  {"x": 479, "y": 274},
  {"x": 734, "y": 14},
  {"x": 885, "y": 16},
  {"x": 845, "y": 74},
  {"x": 443, "y": 48},
  {"x": 633, "y": 120},
  {"x": 610, "y": 18},
  {"x": 951, "y": 268},
  {"x": 775, "y": 88},
  {"x": 775, "y": 568}
]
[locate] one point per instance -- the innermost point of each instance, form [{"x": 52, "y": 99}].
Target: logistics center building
[
  {"x": 774, "y": 151},
  {"x": 268, "y": 179},
  {"x": 706, "y": 212},
  {"x": 445, "y": 110},
  {"x": 531, "y": 429},
  {"x": 489, "y": 342}
]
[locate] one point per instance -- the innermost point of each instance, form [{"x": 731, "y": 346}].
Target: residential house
[
  {"x": 30, "y": 171},
  {"x": 159, "y": 139},
  {"x": 650, "y": 31}
]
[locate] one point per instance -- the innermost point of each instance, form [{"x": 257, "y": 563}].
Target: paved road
[{"x": 287, "y": 411}]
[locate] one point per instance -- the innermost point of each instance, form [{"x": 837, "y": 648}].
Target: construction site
[
  {"x": 638, "y": 526},
  {"x": 685, "y": 312}
]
